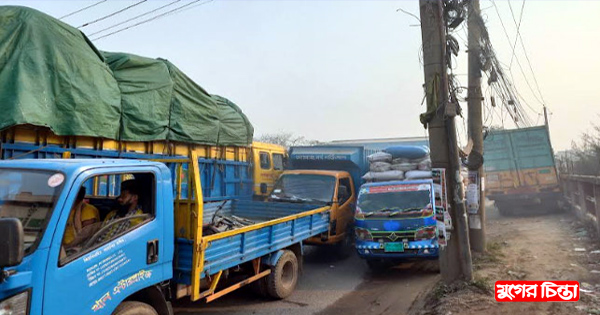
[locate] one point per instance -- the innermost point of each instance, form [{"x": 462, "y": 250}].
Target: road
[{"x": 328, "y": 286}]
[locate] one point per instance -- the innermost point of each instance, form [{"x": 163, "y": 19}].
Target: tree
[
  {"x": 286, "y": 139},
  {"x": 584, "y": 157}
]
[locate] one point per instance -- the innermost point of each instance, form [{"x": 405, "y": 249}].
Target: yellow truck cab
[
  {"x": 269, "y": 161},
  {"x": 322, "y": 187}
]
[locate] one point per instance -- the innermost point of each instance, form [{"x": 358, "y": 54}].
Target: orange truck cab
[
  {"x": 330, "y": 175},
  {"x": 321, "y": 187}
]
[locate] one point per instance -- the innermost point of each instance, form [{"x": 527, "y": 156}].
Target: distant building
[{"x": 382, "y": 143}]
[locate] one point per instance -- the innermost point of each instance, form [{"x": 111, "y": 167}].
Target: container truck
[{"x": 520, "y": 171}]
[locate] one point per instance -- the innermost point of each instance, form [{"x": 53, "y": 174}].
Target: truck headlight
[
  {"x": 361, "y": 234},
  {"x": 425, "y": 233},
  {"x": 15, "y": 305}
]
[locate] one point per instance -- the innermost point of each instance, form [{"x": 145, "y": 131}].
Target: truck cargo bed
[{"x": 281, "y": 225}]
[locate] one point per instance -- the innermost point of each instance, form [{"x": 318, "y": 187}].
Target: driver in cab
[{"x": 127, "y": 206}]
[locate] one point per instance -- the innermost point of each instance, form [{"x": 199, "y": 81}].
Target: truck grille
[{"x": 393, "y": 236}]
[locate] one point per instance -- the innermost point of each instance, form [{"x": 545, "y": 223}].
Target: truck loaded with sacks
[{"x": 398, "y": 208}]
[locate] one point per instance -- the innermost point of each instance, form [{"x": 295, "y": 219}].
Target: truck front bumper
[{"x": 412, "y": 250}]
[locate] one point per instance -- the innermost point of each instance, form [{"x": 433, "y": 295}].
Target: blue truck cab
[
  {"x": 141, "y": 267},
  {"x": 395, "y": 221},
  {"x": 39, "y": 193}
]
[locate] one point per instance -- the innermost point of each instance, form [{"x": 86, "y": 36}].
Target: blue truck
[
  {"x": 173, "y": 252},
  {"x": 395, "y": 222},
  {"x": 389, "y": 222},
  {"x": 126, "y": 185}
]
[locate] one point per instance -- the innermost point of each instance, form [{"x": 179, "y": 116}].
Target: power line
[
  {"x": 112, "y": 14},
  {"x": 176, "y": 10},
  {"x": 82, "y": 9},
  {"x": 517, "y": 59},
  {"x": 134, "y": 18},
  {"x": 537, "y": 86},
  {"x": 518, "y": 29}
]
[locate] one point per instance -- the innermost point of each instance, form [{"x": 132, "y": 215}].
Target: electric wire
[
  {"x": 520, "y": 37},
  {"x": 82, "y": 9},
  {"x": 517, "y": 59},
  {"x": 176, "y": 10},
  {"x": 134, "y": 18},
  {"x": 518, "y": 30},
  {"x": 112, "y": 14}
]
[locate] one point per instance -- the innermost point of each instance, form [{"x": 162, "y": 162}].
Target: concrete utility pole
[
  {"x": 477, "y": 217},
  {"x": 455, "y": 259}
]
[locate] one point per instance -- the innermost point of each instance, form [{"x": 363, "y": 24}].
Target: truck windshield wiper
[
  {"x": 293, "y": 198},
  {"x": 403, "y": 210},
  {"x": 382, "y": 210},
  {"x": 391, "y": 211}
]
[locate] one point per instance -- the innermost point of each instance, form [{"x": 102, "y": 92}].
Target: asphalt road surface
[{"x": 328, "y": 286}]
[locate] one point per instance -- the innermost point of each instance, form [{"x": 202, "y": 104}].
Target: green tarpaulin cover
[{"x": 52, "y": 75}]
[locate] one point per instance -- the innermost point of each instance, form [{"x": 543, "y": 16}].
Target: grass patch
[
  {"x": 492, "y": 256},
  {"x": 483, "y": 284}
]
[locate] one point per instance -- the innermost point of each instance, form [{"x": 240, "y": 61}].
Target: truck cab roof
[
  {"x": 336, "y": 174},
  {"x": 400, "y": 182},
  {"x": 72, "y": 165}
]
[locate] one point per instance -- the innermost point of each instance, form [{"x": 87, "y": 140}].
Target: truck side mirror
[
  {"x": 285, "y": 162},
  {"x": 11, "y": 242},
  {"x": 263, "y": 188}
]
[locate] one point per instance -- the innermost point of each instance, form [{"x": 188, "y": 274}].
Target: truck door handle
[{"x": 152, "y": 252}]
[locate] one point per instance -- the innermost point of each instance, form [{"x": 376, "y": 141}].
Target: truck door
[
  {"x": 115, "y": 261},
  {"x": 346, "y": 202}
]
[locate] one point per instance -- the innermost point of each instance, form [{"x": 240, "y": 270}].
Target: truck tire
[
  {"x": 504, "y": 209},
  {"x": 134, "y": 308},
  {"x": 283, "y": 278}
]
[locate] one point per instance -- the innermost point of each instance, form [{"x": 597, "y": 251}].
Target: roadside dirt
[{"x": 541, "y": 247}]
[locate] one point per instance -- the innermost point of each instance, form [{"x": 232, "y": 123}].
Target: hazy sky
[{"x": 350, "y": 69}]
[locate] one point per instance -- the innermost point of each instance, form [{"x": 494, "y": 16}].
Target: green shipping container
[{"x": 518, "y": 149}]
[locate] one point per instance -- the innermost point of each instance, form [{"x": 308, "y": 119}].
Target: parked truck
[
  {"x": 328, "y": 175},
  {"x": 268, "y": 162},
  {"x": 168, "y": 255},
  {"x": 395, "y": 222},
  {"x": 520, "y": 170},
  {"x": 161, "y": 168}
]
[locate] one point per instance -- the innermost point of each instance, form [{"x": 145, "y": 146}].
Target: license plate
[{"x": 393, "y": 247}]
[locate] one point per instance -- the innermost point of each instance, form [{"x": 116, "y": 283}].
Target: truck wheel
[
  {"x": 134, "y": 308},
  {"x": 504, "y": 209},
  {"x": 345, "y": 247},
  {"x": 284, "y": 276}
]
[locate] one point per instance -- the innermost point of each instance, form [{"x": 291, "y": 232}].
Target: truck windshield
[
  {"x": 393, "y": 202},
  {"x": 30, "y": 197},
  {"x": 304, "y": 188}
]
